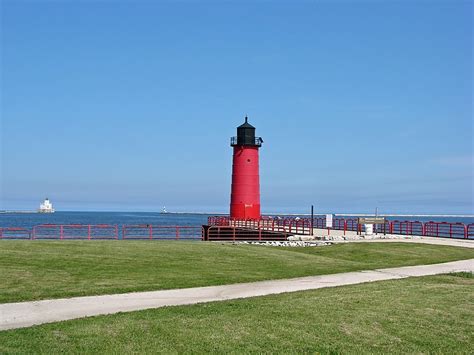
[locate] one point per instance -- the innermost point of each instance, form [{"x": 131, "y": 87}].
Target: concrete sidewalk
[
  {"x": 463, "y": 243},
  {"x": 353, "y": 237},
  {"x": 25, "y": 314}
]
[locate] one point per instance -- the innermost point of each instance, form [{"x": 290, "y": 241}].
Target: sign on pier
[{"x": 371, "y": 220}]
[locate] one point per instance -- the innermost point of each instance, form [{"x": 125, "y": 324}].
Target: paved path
[
  {"x": 464, "y": 243},
  {"x": 402, "y": 238},
  {"x": 25, "y": 314}
]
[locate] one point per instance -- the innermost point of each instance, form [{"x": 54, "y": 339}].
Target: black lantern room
[{"x": 246, "y": 135}]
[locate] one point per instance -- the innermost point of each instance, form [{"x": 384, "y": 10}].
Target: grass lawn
[
  {"x": 32, "y": 270},
  {"x": 417, "y": 315}
]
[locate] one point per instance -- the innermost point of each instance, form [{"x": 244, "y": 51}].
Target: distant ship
[
  {"x": 164, "y": 210},
  {"x": 46, "y": 207}
]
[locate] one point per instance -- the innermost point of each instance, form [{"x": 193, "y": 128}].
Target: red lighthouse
[{"x": 245, "y": 195}]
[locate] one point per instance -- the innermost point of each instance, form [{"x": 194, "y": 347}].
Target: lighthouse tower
[{"x": 245, "y": 195}]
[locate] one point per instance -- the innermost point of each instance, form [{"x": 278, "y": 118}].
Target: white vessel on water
[
  {"x": 164, "y": 210},
  {"x": 46, "y": 207}
]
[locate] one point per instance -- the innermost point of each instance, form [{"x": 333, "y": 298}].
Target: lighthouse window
[{"x": 248, "y": 160}]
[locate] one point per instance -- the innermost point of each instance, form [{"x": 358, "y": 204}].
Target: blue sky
[{"x": 129, "y": 105}]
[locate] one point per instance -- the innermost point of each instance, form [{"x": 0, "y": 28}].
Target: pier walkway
[
  {"x": 353, "y": 237},
  {"x": 26, "y": 314},
  {"x": 414, "y": 239}
]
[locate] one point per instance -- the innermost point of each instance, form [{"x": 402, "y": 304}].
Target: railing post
[
  {"x": 423, "y": 229},
  {"x": 61, "y": 232},
  {"x": 88, "y": 232},
  {"x": 150, "y": 232},
  {"x": 450, "y": 230},
  {"x": 465, "y": 231},
  {"x": 123, "y": 231},
  {"x": 177, "y": 232},
  {"x": 345, "y": 226}
]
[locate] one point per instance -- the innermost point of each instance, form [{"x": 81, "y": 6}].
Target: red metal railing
[
  {"x": 233, "y": 233},
  {"x": 446, "y": 229},
  {"x": 319, "y": 222},
  {"x": 291, "y": 225},
  {"x": 156, "y": 232},
  {"x": 303, "y": 226},
  {"x": 382, "y": 228},
  {"x": 75, "y": 231},
  {"x": 47, "y": 231},
  {"x": 470, "y": 231},
  {"x": 287, "y": 226},
  {"x": 406, "y": 227},
  {"x": 14, "y": 233},
  {"x": 339, "y": 224},
  {"x": 345, "y": 225},
  {"x": 353, "y": 225},
  {"x": 218, "y": 221}
]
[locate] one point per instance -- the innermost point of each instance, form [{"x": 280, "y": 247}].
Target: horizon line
[{"x": 263, "y": 213}]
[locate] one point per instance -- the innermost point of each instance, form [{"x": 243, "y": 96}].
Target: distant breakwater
[{"x": 19, "y": 212}]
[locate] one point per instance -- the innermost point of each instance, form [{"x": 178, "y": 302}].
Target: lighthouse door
[{"x": 245, "y": 210}]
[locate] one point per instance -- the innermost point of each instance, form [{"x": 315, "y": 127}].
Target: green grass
[
  {"x": 467, "y": 275},
  {"x": 416, "y": 315},
  {"x": 32, "y": 270}
]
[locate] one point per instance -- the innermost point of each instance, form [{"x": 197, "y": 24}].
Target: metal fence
[
  {"x": 157, "y": 232},
  {"x": 233, "y": 233},
  {"x": 14, "y": 233},
  {"x": 406, "y": 227},
  {"x": 470, "y": 231},
  {"x": 75, "y": 231},
  {"x": 305, "y": 226},
  {"x": 445, "y": 229},
  {"x": 274, "y": 226}
]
